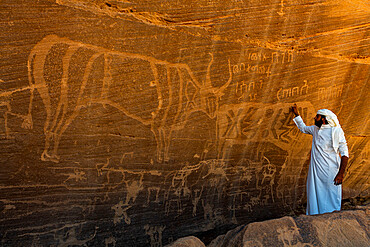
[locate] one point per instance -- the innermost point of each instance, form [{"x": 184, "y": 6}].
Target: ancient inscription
[
  {"x": 292, "y": 91},
  {"x": 243, "y": 68},
  {"x": 248, "y": 90},
  {"x": 261, "y": 62},
  {"x": 271, "y": 57},
  {"x": 330, "y": 93}
]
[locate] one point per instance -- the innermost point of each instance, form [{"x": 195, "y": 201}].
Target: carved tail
[{"x": 27, "y": 122}]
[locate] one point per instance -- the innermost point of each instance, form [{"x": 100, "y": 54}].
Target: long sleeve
[
  {"x": 302, "y": 126},
  {"x": 343, "y": 148}
]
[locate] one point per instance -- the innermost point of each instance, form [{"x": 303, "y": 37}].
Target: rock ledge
[{"x": 345, "y": 228}]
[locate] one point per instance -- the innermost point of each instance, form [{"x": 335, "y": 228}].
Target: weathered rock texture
[
  {"x": 349, "y": 228},
  {"x": 135, "y": 123},
  {"x": 187, "y": 242}
]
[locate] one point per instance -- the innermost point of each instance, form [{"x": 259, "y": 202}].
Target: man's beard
[{"x": 318, "y": 123}]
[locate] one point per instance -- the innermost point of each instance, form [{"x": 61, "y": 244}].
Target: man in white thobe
[{"x": 326, "y": 170}]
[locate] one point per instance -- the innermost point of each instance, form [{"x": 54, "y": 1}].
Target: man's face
[{"x": 318, "y": 120}]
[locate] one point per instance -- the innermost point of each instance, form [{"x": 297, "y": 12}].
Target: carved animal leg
[
  {"x": 179, "y": 206},
  {"x": 6, "y": 113},
  {"x": 220, "y": 142},
  {"x": 159, "y": 140},
  {"x": 27, "y": 122},
  {"x": 167, "y": 141},
  {"x": 45, "y": 155},
  {"x": 60, "y": 132},
  {"x": 127, "y": 218},
  {"x": 53, "y": 138},
  {"x": 49, "y": 135},
  {"x": 221, "y": 146},
  {"x": 49, "y": 153}
]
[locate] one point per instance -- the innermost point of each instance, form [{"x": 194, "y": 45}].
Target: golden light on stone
[{"x": 141, "y": 122}]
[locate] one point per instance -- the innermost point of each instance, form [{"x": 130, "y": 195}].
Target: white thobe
[{"x": 322, "y": 195}]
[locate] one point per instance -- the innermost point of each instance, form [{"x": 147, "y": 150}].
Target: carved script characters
[
  {"x": 291, "y": 92},
  {"x": 328, "y": 93},
  {"x": 248, "y": 90},
  {"x": 273, "y": 57},
  {"x": 249, "y": 68},
  {"x": 255, "y": 58}
]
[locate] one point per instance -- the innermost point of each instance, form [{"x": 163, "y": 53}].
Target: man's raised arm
[
  {"x": 294, "y": 109},
  {"x": 299, "y": 121}
]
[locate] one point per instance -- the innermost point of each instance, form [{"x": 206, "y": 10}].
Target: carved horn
[
  {"x": 208, "y": 83},
  {"x": 223, "y": 87}
]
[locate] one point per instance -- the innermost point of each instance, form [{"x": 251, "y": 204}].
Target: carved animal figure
[
  {"x": 6, "y": 110},
  {"x": 70, "y": 75}
]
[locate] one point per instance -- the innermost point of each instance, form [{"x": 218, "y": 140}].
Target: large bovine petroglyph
[{"x": 70, "y": 75}]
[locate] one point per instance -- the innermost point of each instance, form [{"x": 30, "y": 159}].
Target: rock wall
[{"x": 139, "y": 122}]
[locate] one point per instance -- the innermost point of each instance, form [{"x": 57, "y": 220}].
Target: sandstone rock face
[
  {"x": 348, "y": 228},
  {"x": 187, "y": 242},
  {"x": 135, "y": 123}
]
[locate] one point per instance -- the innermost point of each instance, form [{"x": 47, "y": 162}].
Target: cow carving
[{"x": 70, "y": 75}]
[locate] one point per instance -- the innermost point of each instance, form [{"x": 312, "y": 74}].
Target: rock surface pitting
[{"x": 139, "y": 122}]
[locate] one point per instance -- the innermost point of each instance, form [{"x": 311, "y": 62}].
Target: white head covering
[
  {"x": 330, "y": 117},
  {"x": 334, "y": 123}
]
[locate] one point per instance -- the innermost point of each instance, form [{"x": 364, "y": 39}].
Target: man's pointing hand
[{"x": 294, "y": 109}]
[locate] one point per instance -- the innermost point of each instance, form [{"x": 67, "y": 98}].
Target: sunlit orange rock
[{"x": 140, "y": 122}]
